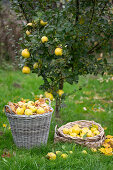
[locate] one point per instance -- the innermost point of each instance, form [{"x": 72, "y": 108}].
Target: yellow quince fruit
[
  {"x": 40, "y": 110},
  {"x": 73, "y": 134},
  {"x": 30, "y": 24},
  {"x": 30, "y": 103},
  {"x": 26, "y": 70},
  {"x": 58, "y": 51},
  {"x": 64, "y": 155},
  {"x": 58, "y": 152},
  {"x": 51, "y": 156},
  {"x": 28, "y": 112},
  {"x": 25, "y": 53},
  {"x": 60, "y": 92},
  {"x": 44, "y": 39},
  {"x": 49, "y": 95},
  {"x": 35, "y": 65},
  {"x": 90, "y": 134},
  {"x": 65, "y": 130},
  {"x": 33, "y": 108},
  {"x": 28, "y": 32},
  {"x": 43, "y": 23},
  {"x": 96, "y": 132},
  {"x": 19, "y": 111}
]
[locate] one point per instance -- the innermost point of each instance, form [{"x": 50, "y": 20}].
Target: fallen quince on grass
[
  {"x": 84, "y": 152},
  {"x": 59, "y": 154},
  {"x": 93, "y": 149},
  {"x": 64, "y": 155},
  {"x": 51, "y": 156}
]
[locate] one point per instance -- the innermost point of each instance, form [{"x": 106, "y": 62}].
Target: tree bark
[
  {"x": 58, "y": 100},
  {"x": 77, "y": 10},
  {"x": 61, "y": 83},
  {"x": 57, "y": 108}
]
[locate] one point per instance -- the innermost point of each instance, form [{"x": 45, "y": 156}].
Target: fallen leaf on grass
[
  {"x": 100, "y": 58},
  {"x": 105, "y": 73},
  {"x": 16, "y": 85},
  {"x": 107, "y": 101},
  {"x": 1, "y": 133},
  {"x": 106, "y": 145},
  {"x": 9, "y": 127},
  {"x": 6, "y": 154},
  {"x": 100, "y": 109},
  {"x": 111, "y": 78},
  {"x": 107, "y": 80},
  {"x": 100, "y": 80},
  {"x": 104, "y": 128},
  {"x": 106, "y": 151},
  {"x": 78, "y": 102},
  {"x": 97, "y": 97},
  {"x": 4, "y": 125},
  {"x": 87, "y": 92}
]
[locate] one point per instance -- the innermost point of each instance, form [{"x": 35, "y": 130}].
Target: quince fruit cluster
[
  {"x": 78, "y": 131},
  {"x": 53, "y": 156},
  {"x": 29, "y": 108}
]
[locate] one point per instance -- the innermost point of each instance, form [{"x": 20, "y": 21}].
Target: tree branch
[
  {"x": 22, "y": 9},
  {"x": 98, "y": 45},
  {"x": 77, "y": 10},
  {"x": 103, "y": 8},
  {"x": 92, "y": 12}
]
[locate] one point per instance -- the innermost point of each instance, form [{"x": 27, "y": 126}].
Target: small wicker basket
[
  {"x": 91, "y": 142},
  {"x": 29, "y": 131}
]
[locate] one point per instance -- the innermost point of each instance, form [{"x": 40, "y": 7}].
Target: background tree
[{"x": 80, "y": 30}]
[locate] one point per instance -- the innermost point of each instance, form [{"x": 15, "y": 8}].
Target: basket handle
[
  {"x": 49, "y": 101},
  {"x": 9, "y": 109}
]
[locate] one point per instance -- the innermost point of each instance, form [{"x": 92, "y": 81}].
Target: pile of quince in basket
[
  {"x": 29, "y": 108},
  {"x": 77, "y": 131}
]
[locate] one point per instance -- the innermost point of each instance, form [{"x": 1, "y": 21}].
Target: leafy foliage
[{"x": 81, "y": 28}]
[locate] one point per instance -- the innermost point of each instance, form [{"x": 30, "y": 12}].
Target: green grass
[{"x": 94, "y": 94}]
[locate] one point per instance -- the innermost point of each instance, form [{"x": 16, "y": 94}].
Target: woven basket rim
[
  {"x": 87, "y": 138},
  {"x": 30, "y": 116}
]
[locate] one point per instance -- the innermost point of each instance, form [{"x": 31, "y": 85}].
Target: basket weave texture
[
  {"x": 91, "y": 142},
  {"x": 29, "y": 131}
]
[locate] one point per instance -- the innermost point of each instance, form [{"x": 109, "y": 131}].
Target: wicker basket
[
  {"x": 91, "y": 142},
  {"x": 29, "y": 131}
]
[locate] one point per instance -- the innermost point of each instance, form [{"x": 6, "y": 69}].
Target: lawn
[{"x": 93, "y": 102}]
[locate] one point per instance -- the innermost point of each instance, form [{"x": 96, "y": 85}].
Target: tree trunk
[
  {"x": 58, "y": 100},
  {"x": 61, "y": 84},
  {"x": 57, "y": 108}
]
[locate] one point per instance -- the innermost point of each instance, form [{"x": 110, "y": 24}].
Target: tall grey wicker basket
[{"x": 29, "y": 131}]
